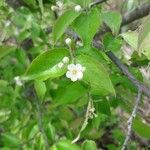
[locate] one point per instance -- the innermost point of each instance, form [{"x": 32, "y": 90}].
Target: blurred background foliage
[{"x": 25, "y": 32}]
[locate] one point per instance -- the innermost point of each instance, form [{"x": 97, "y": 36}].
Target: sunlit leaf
[{"x": 46, "y": 65}]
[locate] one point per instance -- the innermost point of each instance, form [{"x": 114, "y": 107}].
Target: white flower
[
  {"x": 78, "y": 8},
  {"x": 75, "y": 72},
  {"x": 18, "y": 81},
  {"x": 53, "y": 8},
  {"x": 65, "y": 60},
  {"x": 68, "y": 41},
  {"x": 59, "y": 4},
  {"x": 60, "y": 65}
]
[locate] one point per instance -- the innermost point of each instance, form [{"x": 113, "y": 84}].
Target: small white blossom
[
  {"x": 68, "y": 41},
  {"x": 60, "y": 65},
  {"x": 75, "y": 72},
  {"x": 78, "y": 8},
  {"x": 79, "y": 43},
  {"x": 65, "y": 60},
  {"x": 54, "y": 8},
  {"x": 59, "y": 4},
  {"x": 18, "y": 81}
]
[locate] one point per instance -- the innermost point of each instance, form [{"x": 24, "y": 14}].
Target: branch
[
  {"x": 137, "y": 13},
  {"x": 97, "y": 2},
  {"x": 126, "y": 72},
  {"x": 130, "y": 121}
]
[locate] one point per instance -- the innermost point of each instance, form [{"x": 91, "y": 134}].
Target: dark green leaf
[
  {"x": 103, "y": 106},
  {"x": 113, "y": 20},
  {"x": 141, "y": 128},
  {"x": 89, "y": 145},
  {"x": 87, "y": 24},
  {"x": 70, "y": 93},
  {"x": 63, "y": 22},
  {"x": 111, "y": 43},
  {"x": 5, "y": 50}
]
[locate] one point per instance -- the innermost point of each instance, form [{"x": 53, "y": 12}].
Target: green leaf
[
  {"x": 103, "y": 106},
  {"x": 96, "y": 76},
  {"x": 4, "y": 114},
  {"x": 83, "y": 3},
  {"x": 66, "y": 145},
  {"x": 89, "y": 145},
  {"x": 41, "y": 6},
  {"x": 50, "y": 131},
  {"x": 40, "y": 88},
  {"x": 70, "y": 93},
  {"x": 95, "y": 53},
  {"x": 5, "y": 50},
  {"x": 111, "y": 43},
  {"x": 141, "y": 128},
  {"x": 145, "y": 47},
  {"x": 46, "y": 65},
  {"x": 144, "y": 30},
  {"x": 87, "y": 24},
  {"x": 131, "y": 38},
  {"x": 31, "y": 3},
  {"x": 63, "y": 22},
  {"x": 113, "y": 20},
  {"x": 10, "y": 140}
]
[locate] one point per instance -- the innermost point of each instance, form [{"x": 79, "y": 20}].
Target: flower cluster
[
  {"x": 58, "y": 7},
  {"x": 92, "y": 113},
  {"x": 64, "y": 61},
  {"x": 75, "y": 72}
]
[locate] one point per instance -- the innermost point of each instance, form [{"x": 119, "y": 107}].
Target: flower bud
[
  {"x": 53, "y": 8},
  {"x": 78, "y": 8},
  {"x": 68, "y": 41},
  {"x": 60, "y": 65},
  {"x": 65, "y": 60}
]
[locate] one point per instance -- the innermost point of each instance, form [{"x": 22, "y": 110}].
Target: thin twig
[
  {"x": 97, "y": 2},
  {"x": 85, "y": 120},
  {"x": 127, "y": 73},
  {"x": 139, "y": 12},
  {"x": 130, "y": 121}
]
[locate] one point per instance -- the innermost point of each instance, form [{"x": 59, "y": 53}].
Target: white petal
[
  {"x": 68, "y": 74},
  {"x": 80, "y": 75},
  {"x": 71, "y": 66},
  {"x": 79, "y": 67},
  {"x": 74, "y": 78}
]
